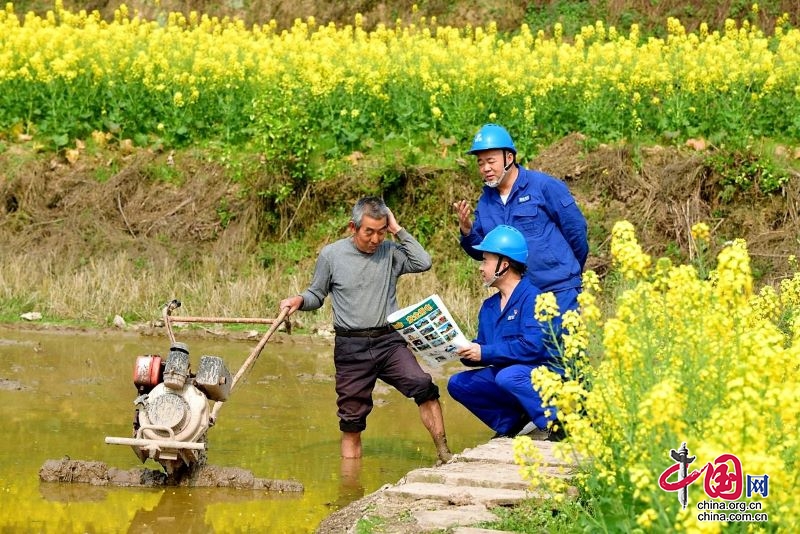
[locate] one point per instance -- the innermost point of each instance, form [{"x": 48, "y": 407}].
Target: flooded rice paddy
[{"x": 62, "y": 393}]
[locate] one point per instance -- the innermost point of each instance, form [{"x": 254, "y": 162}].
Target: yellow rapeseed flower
[
  {"x": 701, "y": 232},
  {"x": 685, "y": 359},
  {"x": 591, "y": 282},
  {"x": 546, "y": 307},
  {"x": 590, "y": 311},
  {"x": 626, "y": 253},
  {"x": 646, "y": 518}
]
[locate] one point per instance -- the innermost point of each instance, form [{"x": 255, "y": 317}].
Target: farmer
[
  {"x": 360, "y": 273},
  {"x": 538, "y": 205},
  {"x": 510, "y": 343}
]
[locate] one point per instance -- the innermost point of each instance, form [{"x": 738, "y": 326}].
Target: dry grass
[
  {"x": 79, "y": 249},
  {"x": 507, "y": 14},
  {"x": 118, "y": 285}
]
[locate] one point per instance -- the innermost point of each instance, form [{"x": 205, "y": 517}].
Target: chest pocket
[
  {"x": 509, "y": 324},
  {"x": 529, "y": 219}
]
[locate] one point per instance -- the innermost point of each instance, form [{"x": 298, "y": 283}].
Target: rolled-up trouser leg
[
  {"x": 355, "y": 380},
  {"x": 399, "y": 368},
  {"x": 361, "y": 361}
]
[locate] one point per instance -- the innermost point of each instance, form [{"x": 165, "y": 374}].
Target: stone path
[{"x": 454, "y": 496}]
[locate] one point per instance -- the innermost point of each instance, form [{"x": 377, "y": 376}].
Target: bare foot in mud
[
  {"x": 443, "y": 452},
  {"x": 444, "y": 458}
]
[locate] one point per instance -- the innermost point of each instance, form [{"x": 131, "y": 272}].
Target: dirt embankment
[
  {"x": 663, "y": 191},
  {"x": 506, "y": 14},
  {"x": 182, "y": 204}
]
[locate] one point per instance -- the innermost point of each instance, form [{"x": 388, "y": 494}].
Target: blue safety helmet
[
  {"x": 505, "y": 241},
  {"x": 492, "y": 137}
]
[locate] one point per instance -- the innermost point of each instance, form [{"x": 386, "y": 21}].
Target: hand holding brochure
[{"x": 430, "y": 330}]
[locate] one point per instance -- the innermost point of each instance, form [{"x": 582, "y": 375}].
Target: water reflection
[
  {"x": 350, "y": 486},
  {"x": 62, "y": 394}
]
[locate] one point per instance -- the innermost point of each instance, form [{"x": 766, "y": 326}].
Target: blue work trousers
[{"x": 503, "y": 398}]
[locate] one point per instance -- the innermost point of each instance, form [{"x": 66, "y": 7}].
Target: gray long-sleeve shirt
[{"x": 363, "y": 287}]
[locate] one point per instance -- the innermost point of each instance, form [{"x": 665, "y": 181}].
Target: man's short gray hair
[{"x": 372, "y": 207}]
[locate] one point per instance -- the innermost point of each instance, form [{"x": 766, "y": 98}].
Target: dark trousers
[{"x": 361, "y": 361}]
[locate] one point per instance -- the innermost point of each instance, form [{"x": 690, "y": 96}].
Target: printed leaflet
[{"x": 430, "y": 330}]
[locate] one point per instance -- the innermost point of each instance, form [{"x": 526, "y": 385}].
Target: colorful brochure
[{"x": 430, "y": 330}]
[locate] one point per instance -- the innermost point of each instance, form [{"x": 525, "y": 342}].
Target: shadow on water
[{"x": 61, "y": 394}]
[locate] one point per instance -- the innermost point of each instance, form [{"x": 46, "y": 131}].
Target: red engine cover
[{"x": 147, "y": 371}]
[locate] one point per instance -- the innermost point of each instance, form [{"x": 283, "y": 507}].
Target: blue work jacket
[
  {"x": 544, "y": 210},
  {"x": 513, "y": 335}
]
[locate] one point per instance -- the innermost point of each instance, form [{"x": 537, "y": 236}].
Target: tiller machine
[{"x": 174, "y": 406}]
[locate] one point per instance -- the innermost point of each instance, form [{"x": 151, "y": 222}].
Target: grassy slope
[
  {"x": 79, "y": 248},
  {"x": 118, "y": 216}
]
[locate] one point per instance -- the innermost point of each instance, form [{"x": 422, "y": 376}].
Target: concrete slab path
[{"x": 457, "y": 495}]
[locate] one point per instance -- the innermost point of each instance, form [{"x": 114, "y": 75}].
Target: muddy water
[{"x": 61, "y": 394}]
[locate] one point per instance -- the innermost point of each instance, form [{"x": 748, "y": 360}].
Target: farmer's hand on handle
[
  {"x": 168, "y": 308},
  {"x": 292, "y": 303}
]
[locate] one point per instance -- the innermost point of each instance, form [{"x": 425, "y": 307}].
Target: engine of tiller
[{"x": 173, "y": 411}]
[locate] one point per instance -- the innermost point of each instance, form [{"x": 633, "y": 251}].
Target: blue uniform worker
[
  {"x": 510, "y": 343},
  {"x": 538, "y": 205}
]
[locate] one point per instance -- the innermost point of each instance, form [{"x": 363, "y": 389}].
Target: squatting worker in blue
[
  {"x": 538, "y": 205},
  {"x": 510, "y": 343},
  {"x": 360, "y": 273}
]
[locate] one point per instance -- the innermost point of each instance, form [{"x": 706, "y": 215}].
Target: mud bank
[{"x": 207, "y": 476}]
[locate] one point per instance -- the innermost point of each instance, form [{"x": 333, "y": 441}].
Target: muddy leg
[
  {"x": 351, "y": 444},
  {"x": 431, "y": 414}
]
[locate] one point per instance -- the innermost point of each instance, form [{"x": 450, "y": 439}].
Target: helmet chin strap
[
  {"x": 497, "y": 182},
  {"x": 498, "y": 272}
]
